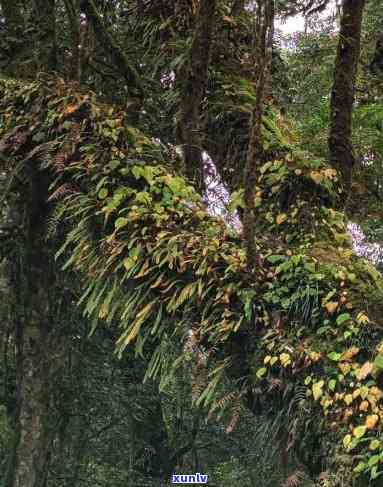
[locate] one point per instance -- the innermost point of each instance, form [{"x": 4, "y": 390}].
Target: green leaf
[
  {"x": 274, "y": 259},
  {"x": 374, "y": 445},
  {"x": 120, "y": 223},
  {"x": 332, "y": 384},
  {"x": 374, "y": 473},
  {"x": 343, "y": 318},
  {"x": 378, "y": 362},
  {"x": 261, "y": 372},
  {"x": 359, "y": 431},
  {"x": 335, "y": 356},
  {"x": 373, "y": 460},
  {"x": 361, "y": 467},
  {"x": 103, "y": 193}
]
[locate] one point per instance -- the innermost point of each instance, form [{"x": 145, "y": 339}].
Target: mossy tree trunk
[
  {"x": 255, "y": 153},
  {"x": 44, "y": 16},
  {"x": 377, "y": 61},
  {"x": 28, "y": 462},
  {"x": 341, "y": 151},
  {"x": 31, "y": 451},
  {"x": 72, "y": 8},
  {"x": 193, "y": 80},
  {"x": 238, "y": 7}
]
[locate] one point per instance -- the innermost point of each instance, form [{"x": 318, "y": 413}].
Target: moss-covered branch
[
  {"x": 153, "y": 262},
  {"x": 110, "y": 45}
]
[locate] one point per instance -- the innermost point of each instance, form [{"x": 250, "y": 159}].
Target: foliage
[{"x": 155, "y": 264}]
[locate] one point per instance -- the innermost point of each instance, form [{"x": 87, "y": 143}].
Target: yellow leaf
[
  {"x": 376, "y": 392},
  {"x": 374, "y": 445},
  {"x": 285, "y": 359},
  {"x": 348, "y": 399},
  {"x": 347, "y": 440},
  {"x": 230, "y": 20},
  {"x": 145, "y": 310},
  {"x": 372, "y": 421},
  {"x": 70, "y": 109},
  {"x": 144, "y": 270},
  {"x": 331, "y": 306},
  {"x": 281, "y": 218},
  {"x": 362, "y": 319},
  {"x": 356, "y": 393},
  {"x": 364, "y": 392},
  {"x": 350, "y": 353},
  {"x": 158, "y": 281},
  {"x": 364, "y": 371},
  {"x": 345, "y": 368},
  {"x": 273, "y": 360},
  {"x": 316, "y": 177},
  {"x": 359, "y": 431},
  {"x": 317, "y": 389},
  {"x": 128, "y": 263},
  {"x": 330, "y": 173},
  {"x": 364, "y": 405},
  {"x": 103, "y": 313}
]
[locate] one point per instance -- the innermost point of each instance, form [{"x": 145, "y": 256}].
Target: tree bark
[
  {"x": 193, "y": 80},
  {"x": 341, "y": 153},
  {"x": 255, "y": 153},
  {"x": 238, "y": 7},
  {"x": 45, "y": 19},
  {"x": 33, "y": 374},
  {"x": 106, "y": 39},
  {"x": 376, "y": 65},
  {"x": 72, "y": 8}
]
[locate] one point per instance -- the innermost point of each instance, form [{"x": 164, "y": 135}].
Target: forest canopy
[{"x": 146, "y": 332}]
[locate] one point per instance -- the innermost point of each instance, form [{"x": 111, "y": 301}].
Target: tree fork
[{"x": 110, "y": 45}]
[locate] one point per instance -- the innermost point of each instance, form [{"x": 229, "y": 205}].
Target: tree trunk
[
  {"x": 33, "y": 368},
  {"x": 45, "y": 18},
  {"x": 193, "y": 80},
  {"x": 376, "y": 65},
  {"x": 72, "y": 8},
  {"x": 341, "y": 152},
  {"x": 238, "y": 7},
  {"x": 255, "y": 153}
]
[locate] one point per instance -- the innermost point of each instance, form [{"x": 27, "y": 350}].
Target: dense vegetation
[{"x": 145, "y": 333}]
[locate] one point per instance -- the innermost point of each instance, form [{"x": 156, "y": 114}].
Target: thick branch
[{"x": 106, "y": 39}]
